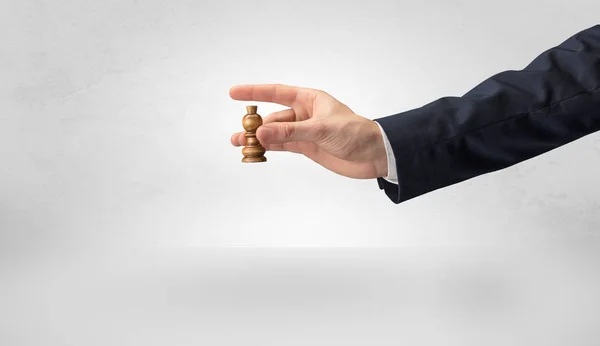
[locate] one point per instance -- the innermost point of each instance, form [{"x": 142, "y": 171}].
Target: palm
[{"x": 338, "y": 152}]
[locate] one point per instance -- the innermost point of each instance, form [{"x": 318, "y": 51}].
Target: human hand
[{"x": 319, "y": 127}]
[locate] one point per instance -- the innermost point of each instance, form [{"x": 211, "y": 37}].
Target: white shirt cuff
[{"x": 392, "y": 175}]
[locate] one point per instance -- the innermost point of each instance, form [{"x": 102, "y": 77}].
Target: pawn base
[{"x": 254, "y": 159}]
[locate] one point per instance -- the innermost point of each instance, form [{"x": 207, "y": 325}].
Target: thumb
[{"x": 283, "y": 132}]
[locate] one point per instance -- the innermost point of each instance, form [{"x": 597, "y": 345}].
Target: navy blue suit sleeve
[{"x": 508, "y": 118}]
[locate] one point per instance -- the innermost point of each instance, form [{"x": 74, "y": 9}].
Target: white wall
[{"x": 114, "y": 138}]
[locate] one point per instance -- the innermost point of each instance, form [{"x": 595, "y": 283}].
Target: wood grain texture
[{"x": 253, "y": 151}]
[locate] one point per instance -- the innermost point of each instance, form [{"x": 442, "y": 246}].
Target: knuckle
[{"x": 287, "y": 131}]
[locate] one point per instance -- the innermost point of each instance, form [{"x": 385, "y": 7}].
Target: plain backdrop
[{"x": 127, "y": 218}]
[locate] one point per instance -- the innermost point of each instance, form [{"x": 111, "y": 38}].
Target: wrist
[{"x": 379, "y": 153}]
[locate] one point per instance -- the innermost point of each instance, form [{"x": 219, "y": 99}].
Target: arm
[{"x": 510, "y": 117}]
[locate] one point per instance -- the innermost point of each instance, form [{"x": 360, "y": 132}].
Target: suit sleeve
[{"x": 508, "y": 118}]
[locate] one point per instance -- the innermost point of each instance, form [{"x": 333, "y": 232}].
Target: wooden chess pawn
[{"x": 253, "y": 151}]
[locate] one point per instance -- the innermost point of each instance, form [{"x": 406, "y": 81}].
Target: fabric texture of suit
[{"x": 508, "y": 118}]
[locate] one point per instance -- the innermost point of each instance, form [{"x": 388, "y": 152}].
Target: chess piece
[{"x": 253, "y": 151}]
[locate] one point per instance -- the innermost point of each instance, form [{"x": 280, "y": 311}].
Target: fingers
[
  {"x": 238, "y": 139},
  {"x": 291, "y": 147},
  {"x": 287, "y": 115},
  {"x": 275, "y": 93},
  {"x": 285, "y": 132}
]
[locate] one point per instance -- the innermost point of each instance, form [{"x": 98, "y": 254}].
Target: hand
[{"x": 319, "y": 127}]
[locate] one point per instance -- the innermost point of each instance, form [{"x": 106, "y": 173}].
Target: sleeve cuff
[{"x": 392, "y": 175}]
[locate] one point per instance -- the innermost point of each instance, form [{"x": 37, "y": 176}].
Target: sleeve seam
[{"x": 588, "y": 92}]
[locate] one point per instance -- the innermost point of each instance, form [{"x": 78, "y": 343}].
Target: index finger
[{"x": 275, "y": 93}]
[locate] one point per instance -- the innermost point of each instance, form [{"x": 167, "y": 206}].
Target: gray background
[{"x": 126, "y": 217}]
